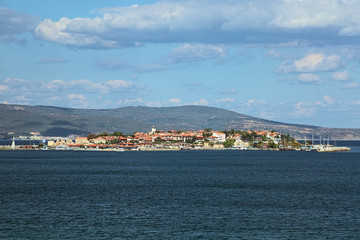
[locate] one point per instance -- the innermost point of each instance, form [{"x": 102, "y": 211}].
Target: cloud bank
[
  {"x": 209, "y": 22},
  {"x": 13, "y": 23}
]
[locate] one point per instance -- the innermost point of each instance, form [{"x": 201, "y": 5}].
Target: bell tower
[{"x": 153, "y": 130}]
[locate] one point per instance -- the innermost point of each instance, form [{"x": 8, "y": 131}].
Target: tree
[
  {"x": 229, "y": 143},
  {"x": 104, "y": 134},
  {"x": 227, "y": 133},
  {"x": 259, "y": 144},
  {"x": 272, "y": 144},
  {"x": 91, "y": 136},
  {"x": 158, "y": 140},
  {"x": 192, "y": 140},
  {"x": 118, "y": 134},
  {"x": 114, "y": 141},
  {"x": 207, "y": 134},
  {"x": 245, "y": 135}
]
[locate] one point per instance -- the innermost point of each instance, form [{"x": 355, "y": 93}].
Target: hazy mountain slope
[{"x": 55, "y": 121}]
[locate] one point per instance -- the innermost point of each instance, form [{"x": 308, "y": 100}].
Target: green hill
[{"x": 54, "y": 121}]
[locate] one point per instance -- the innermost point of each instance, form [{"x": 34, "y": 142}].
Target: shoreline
[{"x": 321, "y": 150}]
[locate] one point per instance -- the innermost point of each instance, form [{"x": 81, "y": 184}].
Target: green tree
[
  {"x": 272, "y": 145},
  {"x": 118, "y": 134},
  {"x": 245, "y": 135},
  {"x": 192, "y": 140},
  {"x": 229, "y": 143},
  {"x": 158, "y": 140},
  {"x": 259, "y": 144},
  {"x": 104, "y": 134},
  {"x": 207, "y": 134},
  {"x": 114, "y": 141},
  {"x": 91, "y": 136}
]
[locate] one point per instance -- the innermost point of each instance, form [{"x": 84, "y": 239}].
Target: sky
[{"x": 293, "y": 61}]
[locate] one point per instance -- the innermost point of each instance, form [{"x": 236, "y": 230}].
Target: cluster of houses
[{"x": 171, "y": 140}]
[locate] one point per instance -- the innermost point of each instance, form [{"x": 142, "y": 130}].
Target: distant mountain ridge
[{"x": 55, "y": 121}]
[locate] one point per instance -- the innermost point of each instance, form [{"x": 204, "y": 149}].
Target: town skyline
[{"x": 288, "y": 61}]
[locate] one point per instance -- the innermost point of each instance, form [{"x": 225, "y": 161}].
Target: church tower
[
  {"x": 153, "y": 130},
  {"x": 13, "y": 144}
]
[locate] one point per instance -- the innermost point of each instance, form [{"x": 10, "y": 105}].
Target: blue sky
[{"x": 294, "y": 61}]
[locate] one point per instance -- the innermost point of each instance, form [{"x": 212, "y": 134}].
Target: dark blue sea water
[{"x": 179, "y": 195}]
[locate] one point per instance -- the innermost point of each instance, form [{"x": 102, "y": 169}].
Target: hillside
[{"x": 55, "y": 121}]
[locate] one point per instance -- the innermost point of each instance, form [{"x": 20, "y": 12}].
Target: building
[
  {"x": 153, "y": 130},
  {"x": 81, "y": 141},
  {"x": 221, "y": 137}
]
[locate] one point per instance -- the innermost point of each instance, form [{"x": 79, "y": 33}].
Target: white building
[{"x": 221, "y": 136}]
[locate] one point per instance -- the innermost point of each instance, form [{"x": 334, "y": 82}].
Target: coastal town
[{"x": 157, "y": 140}]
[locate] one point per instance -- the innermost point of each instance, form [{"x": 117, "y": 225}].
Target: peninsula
[
  {"x": 17, "y": 120},
  {"x": 205, "y": 139}
]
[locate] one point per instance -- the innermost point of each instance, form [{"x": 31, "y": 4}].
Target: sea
[{"x": 227, "y": 194}]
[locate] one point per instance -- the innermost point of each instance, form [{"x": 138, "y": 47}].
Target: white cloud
[
  {"x": 78, "y": 100},
  {"x": 307, "y": 13},
  {"x": 328, "y": 100},
  {"x": 253, "y": 102},
  {"x": 303, "y": 109},
  {"x": 202, "y": 102},
  {"x": 3, "y": 88},
  {"x": 250, "y": 102},
  {"x": 175, "y": 101},
  {"x": 309, "y": 78},
  {"x": 76, "y": 96},
  {"x": 209, "y": 21},
  {"x": 223, "y": 100},
  {"x": 131, "y": 101},
  {"x": 59, "y": 32},
  {"x": 113, "y": 64},
  {"x": 351, "y": 85},
  {"x": 140, "y": 101},
  {"x": 340, "y": 76},
  {"x": 76, "y": 93},
  {"x": 313, "y": 62},
  {"x": 356, "y": 102},
  {"x": 119, "y": 84},
  {"x": 89, "y": 86},
  {"x": 56, "y": 84},
  {"x": 21, "y": 99},
  {"x": 116, "y": 64},
  {"x": 195, "y": 52},
  {"x": 273, "y": 53}
]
